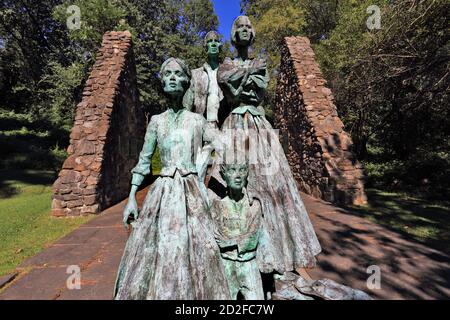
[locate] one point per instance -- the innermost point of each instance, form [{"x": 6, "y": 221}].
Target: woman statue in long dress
[
  {"x": 288, "y": 241},
  {"x": 171, "y": 252}
]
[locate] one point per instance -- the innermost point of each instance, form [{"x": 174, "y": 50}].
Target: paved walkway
[{"x": 350, "y": 244}]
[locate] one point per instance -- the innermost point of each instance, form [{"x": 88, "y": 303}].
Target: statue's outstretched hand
[{"x": 131, "y": 212}]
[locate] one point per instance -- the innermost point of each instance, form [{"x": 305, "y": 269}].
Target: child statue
[
  {"x": 237, "y": 220},
  {"x": 171, "y": 253}
]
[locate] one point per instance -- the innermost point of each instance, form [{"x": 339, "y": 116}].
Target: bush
[
  {"x": 426, "y": 175},
  {"x": 31, "y": 144}
]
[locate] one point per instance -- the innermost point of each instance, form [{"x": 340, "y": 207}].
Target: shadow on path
[{"x": 350, "y": 242}]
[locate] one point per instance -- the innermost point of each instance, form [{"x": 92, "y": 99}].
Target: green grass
[
  {"x": 26, "y": 226},
  {"x": 423, "y": 220}
]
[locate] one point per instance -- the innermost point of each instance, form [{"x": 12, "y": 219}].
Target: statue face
[
  {"x": 235, "y": 175},
  {"x": 244, "y": 31},
  {"x": 213, "y": 46},
  {"x": 174, "y": 79}
]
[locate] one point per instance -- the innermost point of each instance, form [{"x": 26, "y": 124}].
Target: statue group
[{"x": 190, "y": 240}]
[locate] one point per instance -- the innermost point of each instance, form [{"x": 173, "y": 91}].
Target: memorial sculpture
[
  {"x": 189, "y": 243},
  {"x": 237, "y": 219},
  {"x": 288, "y": 241},
  {"x": 171, "y": 252}
]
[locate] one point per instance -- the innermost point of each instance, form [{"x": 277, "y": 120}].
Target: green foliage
[
  {"x": 57, "y": 156},
  {"x": 29, "y": 143},
  {"x": 161, "y": 28},
  {"x": 273, "y": 20},
  {"x": 346, "y": 39},
  {"x": 96, "y": 17},
  {"x": 44, "y": 64},
  {"x": 276, "y": 19},
  {"x": 390, "y": 85},
  {"x": 195, "y": 18},
  {"x": 30, "y": 36},
  {"x": 167, "y": 29},
  {"x": 321, "y": 18},
  {"x": 59, "y": 87},
  {"x": 425, "y": 175},
  {"x": 391, "y": 88}
]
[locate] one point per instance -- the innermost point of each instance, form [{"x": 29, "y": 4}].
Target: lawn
[
  {"x": 423, "y": 220},
  {"x": 26, "y": 226}
]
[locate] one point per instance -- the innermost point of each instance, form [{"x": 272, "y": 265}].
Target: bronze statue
[
  {"x": 171, "y": 252},
  {"x": 237, "y": 219},
  {"x": 207, "y": 97},
  {"x": 288, "y": 240}
]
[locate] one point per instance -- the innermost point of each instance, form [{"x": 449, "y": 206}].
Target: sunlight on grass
[
  {"x": 424, "y": 221},
  {"x": 26, "y": 226}
]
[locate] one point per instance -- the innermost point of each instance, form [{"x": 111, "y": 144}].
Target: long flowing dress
[
  {"x": 288, "y": 240},
  {"x": 171, "y": 253}
]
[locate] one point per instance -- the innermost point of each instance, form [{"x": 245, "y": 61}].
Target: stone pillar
[
  {"x": 318, "y": 149},
  {"x": 107, "y": 135}
]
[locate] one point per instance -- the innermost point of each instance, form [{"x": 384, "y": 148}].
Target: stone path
[{"x": 350, "y": 244}]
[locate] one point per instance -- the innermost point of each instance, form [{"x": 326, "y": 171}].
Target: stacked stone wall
[
  {"x": 318, "y": 149},
  {"x": 107, "y": 134}
]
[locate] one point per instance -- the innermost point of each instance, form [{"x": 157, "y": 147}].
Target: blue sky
[{"x": 227, "y": 11}]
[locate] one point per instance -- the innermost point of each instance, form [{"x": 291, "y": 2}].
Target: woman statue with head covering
[
  {"x": 288, "y": 240},
  {"x": 171, "y": 252}
]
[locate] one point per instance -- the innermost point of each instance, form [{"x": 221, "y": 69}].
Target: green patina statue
[
  {"x": 207, "y": 97},
  {"x": 288, "y": 241},
  {"x": 261, "y": 226},
  {"x": 237, "y": 220},
  {"x": 186, "y": 242},
  {"x": 171, "y": 252}
]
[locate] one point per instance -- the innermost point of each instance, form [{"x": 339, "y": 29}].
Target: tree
[
  {"x": 44, "y": 64},
  {"x": 163, "y": 29},
  {"x": 273, "y": 20},
  {"x": 391, "y": 84},
  {"x": 29, "y": 35},
  {"x": 276, "y": 19}
]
